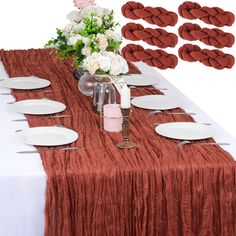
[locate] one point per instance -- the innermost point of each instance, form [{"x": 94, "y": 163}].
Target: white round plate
[
  {"x": 38, "y": 106},
  {"x": 156, "y": 102},
  {"x": 31, "y": 82},
  {"x": 47, "y": 136},
  {"x": 185, "y": 130},
  {"x": 140, "y": 80}
]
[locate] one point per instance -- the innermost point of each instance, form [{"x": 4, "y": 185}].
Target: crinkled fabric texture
[
  {"x": 211, "y": 58},
  {"x": 153, "y": 15},
  {"x": 155, "y": 37},
  {"x": 152, "y": 190},
  {"x": 211, "y": 37},
  {"x": 155, "y": 58},
  {"x": 210, "y": 15}
]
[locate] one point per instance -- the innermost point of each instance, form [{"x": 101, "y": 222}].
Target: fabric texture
[
  {"x": 155, "y": 58},
  {"x": 153, "y": 15},
  {"x": 155, "y": 189},
  {"x": 210, "y": 15},
  {"x": 155, "y": 37},
  {"x": 211, "y": 58},
  {"x": 211, "y": 37}
]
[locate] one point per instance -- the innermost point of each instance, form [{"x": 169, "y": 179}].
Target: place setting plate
[
  {"x": 47, "y": 136},
  {"x": 185, "y": 131},
  {"x": 140, "y": 80},
  {"x": 156, "y": 102},
  {"x": 30, "y": 82},
  {"x": 38, "y": 106}
]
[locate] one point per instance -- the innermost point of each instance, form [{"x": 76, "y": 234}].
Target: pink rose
[{"x": 83, "y": 3}]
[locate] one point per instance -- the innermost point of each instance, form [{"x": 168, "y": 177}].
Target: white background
[{"x": 29, "y": 24}]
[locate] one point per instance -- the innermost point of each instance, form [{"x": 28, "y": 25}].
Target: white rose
[
  {"x": 86, "y": 51},
  {"x": 115, "y": 69},
  {"x": 111, "y": 55},
  {"x": 124, "y": 65},
  {"x": 119, "y": 66},
  {"x": 93, "y": 66},
  {"x": 102, "y": 41},
  {"x": 105, "y": 63},
  {"x": 94, "y": 56}
]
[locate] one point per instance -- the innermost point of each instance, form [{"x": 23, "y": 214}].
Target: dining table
[{"x": 23, "y": 179}]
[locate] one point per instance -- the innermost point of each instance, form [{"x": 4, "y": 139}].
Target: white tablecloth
[{"x": 22, "y": 177}]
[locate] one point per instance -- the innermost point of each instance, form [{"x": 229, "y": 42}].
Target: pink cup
[{"x": 112, "y": 118}]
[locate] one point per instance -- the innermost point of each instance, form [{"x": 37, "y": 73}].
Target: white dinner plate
[
  {"x": 47, "y": 136},
  {"x": 31, "y": 82},
  {"x": 38, "y": 106},
  {"x": 140, "y": 80},
  {"x": 185, "y": 130},
  {"x": 156, "y": 102}
]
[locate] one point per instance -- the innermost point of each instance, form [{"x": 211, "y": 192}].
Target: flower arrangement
[
  {"x": 105, "y": 62},
  {"x": 91, "y": 40}
]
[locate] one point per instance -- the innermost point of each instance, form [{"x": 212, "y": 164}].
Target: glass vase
[
  {"x": 86, "y": 84},
  {"x": 104, "y": 92}
]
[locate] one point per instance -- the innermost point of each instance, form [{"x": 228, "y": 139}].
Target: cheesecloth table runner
[{"x": 155, "y": 189}]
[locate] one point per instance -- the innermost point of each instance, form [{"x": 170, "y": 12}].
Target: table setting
[{"x": 96, "y": 145}]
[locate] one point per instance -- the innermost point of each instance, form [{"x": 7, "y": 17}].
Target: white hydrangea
[
  {"x": 85, "y": 12},
  {"x": 68, "y": 28},
  {"x": 79, "y": 27},
  {"x": 98, "y": 11},
  {"x": 73, "y": 38},
  {"x": 74, "y": 16},
  {"x": 72, "y": 28},
  {"x": 113, "y": 35},
  {"x": 106, "y": 11},
  {"x": 85, "y": 40}
]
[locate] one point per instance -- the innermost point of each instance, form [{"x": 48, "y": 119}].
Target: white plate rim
[
  {"x": 207, "y": 127},
  {"x": 5, "y": 82},
  {"x": 23, "y": 132},
  {"x": 154, "y": 80},
  {"x": 14, "y": 108},
  {"x": 176, "y": 99}
]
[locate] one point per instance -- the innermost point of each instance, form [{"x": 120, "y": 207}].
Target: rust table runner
[{"x": 155, "y": 189}]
